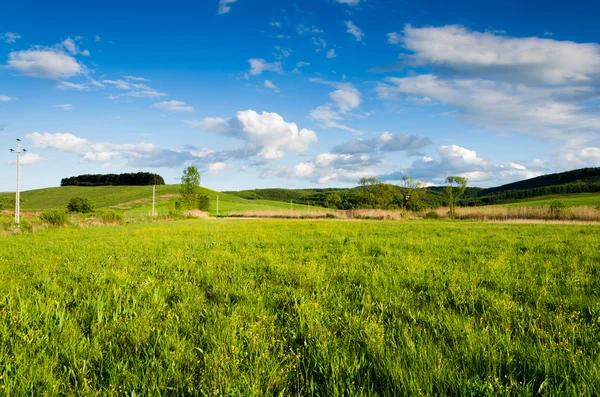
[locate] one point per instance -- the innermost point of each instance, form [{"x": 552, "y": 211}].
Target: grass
[
  {"x": 137, "y": 199},
  {"x": 273, "y": 307},
  {"x": 571, "y": 200}
]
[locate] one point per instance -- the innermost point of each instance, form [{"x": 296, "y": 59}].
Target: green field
[
  {"x": 572, "y": 200},
  {"x": 323, "y": 308},
  {"x": 137, "y": 199}
]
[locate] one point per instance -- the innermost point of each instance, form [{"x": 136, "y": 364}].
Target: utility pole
[
  {"x": 217, "y": 205},
  {"x": 153, "y": 195},
  {"x": 153, "y": 198},
  {"x": 18, "y": 193},
  {"x": 291, "y": 206}
]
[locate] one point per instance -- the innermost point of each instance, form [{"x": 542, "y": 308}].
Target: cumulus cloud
[
  {"x": 5, "y": 98},
  {"x": 355, "y": 31},
  {"x": 269, "y": 84},
  {"x": 66, "y": 106},
  {"x": 30, "y": 158},
  {"x": 224, "y": 6},
  {"x": 327, "y": 117},
  {"x": 394, "y": 38},
  {"x": 10, "y": 37},
  {"x": 88, "y": 150},
  {"x": 519, "y": 60},
  {"x": 540, "y": 87},
  {"x": 72, "y": 48},
  {"x": 345, "y": 99},
  {"x": 45, "y": 64},
  {"x": 268, "y": 132},
  {"x": 331, "y": 54},
  {"x": 174, "y": 106},
  {"x": 351, "y": 160},
  {"x": 457, "y": 160},
  {"x": 349, "y": 2},
  {"x": 385, "y": 142},
  {"x": 257, "y": 66}
]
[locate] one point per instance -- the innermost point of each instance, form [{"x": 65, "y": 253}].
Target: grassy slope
[
  {"x": 136, "y": 199},
  {"x": 576, "y": 199},
  {"x": 324, "y": 308}
]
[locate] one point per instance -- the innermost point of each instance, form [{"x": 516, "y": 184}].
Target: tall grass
[
  {"x": 499, "y": 213},
  {"x": 273, "y": 307}
]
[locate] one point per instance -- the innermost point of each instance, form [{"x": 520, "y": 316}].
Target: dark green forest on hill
[
  {"x": 585, "y": 180},
  {"x": 131, "y": 179}
]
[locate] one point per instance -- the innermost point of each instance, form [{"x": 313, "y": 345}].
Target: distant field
[
  {"x": 589, "y": 199},
  {"x": 137, "y": 199},
  {"x": 324, "y": 308}
]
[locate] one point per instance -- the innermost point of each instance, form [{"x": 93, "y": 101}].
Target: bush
[
  {"x": 431, "y": 215},
  {"x": 203, "y": 203},
  {"x": 557, "y": 208},
  {"x": 111, "y": 217},
  {"x": 54, "y": 217},
  {"x": 80, "y": 204}
]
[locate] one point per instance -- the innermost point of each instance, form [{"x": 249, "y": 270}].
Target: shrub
[
  {"x": 431, "y": 215},
  {"x": 111, "y": 217},
  {"x": 203, "y": 203},
  {"x": 80, "y": 204},
  {"x": 557, "y": 208},
  {"x": 54, "y": 217}
]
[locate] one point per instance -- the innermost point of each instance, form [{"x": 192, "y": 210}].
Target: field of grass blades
[{"x": 301, "y": 307}]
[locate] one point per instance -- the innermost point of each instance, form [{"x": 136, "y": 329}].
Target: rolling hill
[{"x": 137, "y": 199}]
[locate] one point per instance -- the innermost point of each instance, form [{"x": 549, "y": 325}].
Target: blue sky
[{"x": 311, "y": 93}]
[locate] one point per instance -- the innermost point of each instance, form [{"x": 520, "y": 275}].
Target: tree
[
  {"x": 369, "y": 190},
  {"x": 455, "y": 187},
  {"x": 410, "y": 190},
  {"x": 333, "y": 200},
  {"x": 80, "y": 204},
  {"x": 190, "y": 181},
  {"x": 203, "y": 203}
]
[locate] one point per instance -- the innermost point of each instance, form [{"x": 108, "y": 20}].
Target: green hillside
[
  {"x": 136, "y": 199},
  {"x": 571, "y": 200}
]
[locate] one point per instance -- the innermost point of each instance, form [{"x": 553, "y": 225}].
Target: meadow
[
  {"x": 137, "y": 200},
  {"x": 301, "y": 307}
]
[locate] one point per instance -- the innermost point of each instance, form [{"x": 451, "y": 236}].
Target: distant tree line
[{"x": 131, "y": 179}]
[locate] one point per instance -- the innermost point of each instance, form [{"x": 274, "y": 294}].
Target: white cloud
[
  {"x": 308, "y": 30},
  {"x": 66, "y": 106},
  {"x": 355, "y": 31},
  {"x": 385, "y": 142},
  {"x": 268, "y": 132},
  {"x": 224, "y": 6},
  {"x": 215, "y": 168},
  {"x": 257, "y": 66},
  {"x": 5, "y": 98},
  {"x": 519, "y": 60},
  {"x": 97, "y": 38},
  {"x": 300, "y": 65},
  {"x": 70, "y": 46},
  {"x": 282, "y": 52},
  {"x": 346, "y": 98},
  {"x": 91, "y": 83},
  {"x": 9, "y": 37},
  {"x": 45, "y": 64},
  {"x": 139, "y": 94},
  {"x": 331, "y": 54},
  {"x": 394, "y": 38},
  {"x": 457, "y": 160},
  {"x": 88, "y": 150},
  {"x": 349, "y": 2},
  {"x": 269, "y": 84},
  {"x": 30, "y": 158},
  {"x": 326, "y": 117},
  {"x": 174, "y": 106},
  {"x": 134, "y": 78}
]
